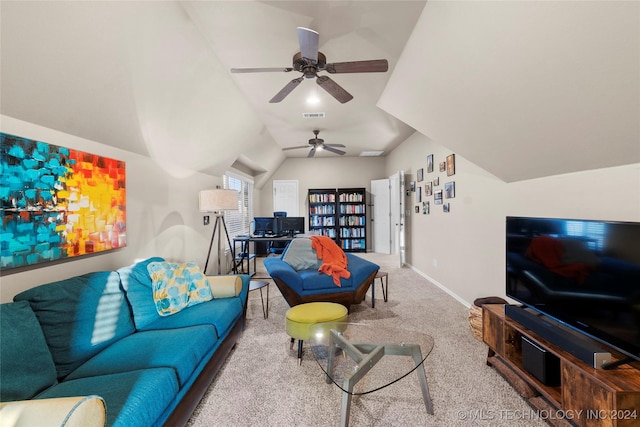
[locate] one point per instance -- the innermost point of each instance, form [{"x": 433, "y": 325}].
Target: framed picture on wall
[
  {"x": 436, "y": 181},
  {"x": 451, "y": 164},
  {"x": 430, "y": 163},
  {"x": 450, "y": 190},
  {"x": 420, "y": 174},
  {"x": 428, "y": 189},
  {"x": 425, "y": 208},
  {"x": 437, "y": 197},
  {"x": 446, "y": 208},
  {"x": 443, "y": 166},
  {"x": 418, "y": 194}
]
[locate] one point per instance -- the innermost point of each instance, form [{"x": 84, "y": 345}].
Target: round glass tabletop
[{"x": 362, "y": 358}]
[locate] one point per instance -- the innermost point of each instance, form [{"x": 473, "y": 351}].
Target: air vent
[
  {"x": 313, "y": 115},
  {"x": 371, "y": 153}
]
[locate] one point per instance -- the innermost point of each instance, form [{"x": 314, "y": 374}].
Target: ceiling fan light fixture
[
  {"x": 313, "y": 99},
  {"x": 318, "y": 144},
  {"x": 309, "y": 61}
]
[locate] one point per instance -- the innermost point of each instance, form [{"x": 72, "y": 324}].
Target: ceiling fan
[
  {"x": 310, "y": 62},
  {"x": 318, "y": 144}
]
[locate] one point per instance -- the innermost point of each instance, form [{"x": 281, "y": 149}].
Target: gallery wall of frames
[
  {"x": 434, "y": 186},
  {"x": 57, "y": 203}
]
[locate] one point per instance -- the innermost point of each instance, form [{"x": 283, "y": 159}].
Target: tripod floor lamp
[{"x": 217, "y": 201}]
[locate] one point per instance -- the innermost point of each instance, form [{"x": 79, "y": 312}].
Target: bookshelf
[
  {"x": 352, "y": 219},
  {"x": 322, "y": 212},
  {"x": 341, "y": 215}
]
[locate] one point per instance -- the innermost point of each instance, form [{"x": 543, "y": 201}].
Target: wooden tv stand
[{"x": 585, "y": 397}]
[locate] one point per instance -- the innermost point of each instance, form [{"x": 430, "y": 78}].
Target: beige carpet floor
[{"x": 261, "y": 383}]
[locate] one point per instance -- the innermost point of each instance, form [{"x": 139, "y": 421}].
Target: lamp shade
[{"x": 218, "y": 200}]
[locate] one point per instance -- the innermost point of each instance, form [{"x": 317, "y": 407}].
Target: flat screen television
[{"x": 582, "y": 273}]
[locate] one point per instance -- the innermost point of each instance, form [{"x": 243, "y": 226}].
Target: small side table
[
  {"x": 259, "y": 284},
  {"x": 384, "y": 282}
]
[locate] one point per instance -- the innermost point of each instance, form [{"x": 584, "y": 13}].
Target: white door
[
  {"x": 285, "y": 197},
  {"x": 401, "y": 237},
  {"x": 381, "y": 216},
  {"x": 397, "y": 215}
]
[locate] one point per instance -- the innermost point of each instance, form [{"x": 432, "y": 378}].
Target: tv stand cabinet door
[
  {"x": 584, "y": 396},
  {"x": 612, "y": 400},
  {"x": 493, "y": 327}
]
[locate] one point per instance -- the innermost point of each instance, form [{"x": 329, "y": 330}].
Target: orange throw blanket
[{"x": 334, "y": 260}]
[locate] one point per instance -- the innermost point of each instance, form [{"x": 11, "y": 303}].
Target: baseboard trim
[{"x": 441, "y": 286}]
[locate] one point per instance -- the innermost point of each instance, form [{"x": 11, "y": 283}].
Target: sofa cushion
[
  {"x": 360, "y": 268},
  {"x": 153, "y": 349},
  {"x": 177, "y": 286},
  {"x": 26, "y": 366},
  {"x": 135, "y": 398},
  {"x": 77, "y": 411},
  {"x": 300, "y": 255},
  {"x": 225, "y": 286},
  {"x": 80, "y": 316},
  {"x": 312, "y": 279},
  {"x": 220, "y": 313},
  {"x": 278, "y": 269},
  {"x": 138, "y": 287}
]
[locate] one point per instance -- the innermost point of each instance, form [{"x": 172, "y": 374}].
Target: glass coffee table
[{"x": 361, "y": 358}]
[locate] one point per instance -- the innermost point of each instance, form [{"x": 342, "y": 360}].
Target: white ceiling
[{"x": 523, "y": 89}]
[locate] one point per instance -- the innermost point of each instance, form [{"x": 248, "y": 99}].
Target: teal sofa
[{"x": 99, "y": 334}]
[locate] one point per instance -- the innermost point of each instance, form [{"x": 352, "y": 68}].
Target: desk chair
[{"x": 278, "y": 247}]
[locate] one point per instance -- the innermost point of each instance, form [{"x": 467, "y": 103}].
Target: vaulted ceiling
[{"x": 523, "y": 89}]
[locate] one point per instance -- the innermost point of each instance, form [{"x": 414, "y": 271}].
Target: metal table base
[{"x": 367, "y": 355}]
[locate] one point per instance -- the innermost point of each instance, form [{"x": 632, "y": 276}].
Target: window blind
[{"x": 239, "y": 222}]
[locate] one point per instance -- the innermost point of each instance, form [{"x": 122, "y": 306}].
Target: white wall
[
  {"x": 325, "y": 172},
  {"x": 329, "y": 172},
  {"x": 162, "y": 214},
  {"x": 463, "y": 251}
]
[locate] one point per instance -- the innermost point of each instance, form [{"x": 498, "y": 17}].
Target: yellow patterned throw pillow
[{"x": 177, "y": 286}]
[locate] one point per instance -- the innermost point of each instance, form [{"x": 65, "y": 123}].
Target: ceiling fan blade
[
  {"x": 312, "y": 152},
  {"x": 334, "y": 145},
  {"x": 334, "y": 89},
  {"x": 334, "y": 150},
  {"x": 295, "y": 148},
  {"x": 372, "y": 66},
  {"x": 261, "y": 70},
  {"x": 286, "y": 90},
  {"x": 308, "y": 40}
]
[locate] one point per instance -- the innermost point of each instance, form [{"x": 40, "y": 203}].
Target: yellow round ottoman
[{"x": 300, "y": 317}]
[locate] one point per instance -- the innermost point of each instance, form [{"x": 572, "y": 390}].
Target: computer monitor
[
  {"x": 264, "y": 225},
  {"x": 290, "y": 225}
]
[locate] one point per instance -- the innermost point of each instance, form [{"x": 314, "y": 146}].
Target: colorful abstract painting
[{"x": 58, "y": 203}]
